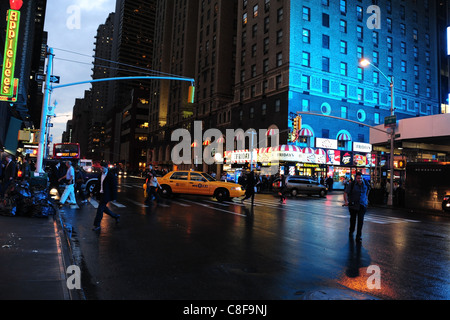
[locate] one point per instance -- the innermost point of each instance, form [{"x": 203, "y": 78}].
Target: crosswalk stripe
[{"x": 119, "y": 205}]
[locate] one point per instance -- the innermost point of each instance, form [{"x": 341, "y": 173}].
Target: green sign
[
  {"x": 390, "y": 121},
  {"x": 9, "y": 57}
]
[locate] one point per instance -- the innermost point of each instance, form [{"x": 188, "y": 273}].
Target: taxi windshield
[{"x": 208, "y": 177}]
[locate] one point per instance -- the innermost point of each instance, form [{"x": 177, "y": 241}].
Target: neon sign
[{"x": 9, "y": 60}]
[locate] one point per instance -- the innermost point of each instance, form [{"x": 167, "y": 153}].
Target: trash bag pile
[{"x": 26, "y": 201}]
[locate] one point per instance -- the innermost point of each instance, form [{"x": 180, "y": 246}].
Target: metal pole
[
  {"x": 391, "y": 157},
  {"x": 45, "y": 105}
]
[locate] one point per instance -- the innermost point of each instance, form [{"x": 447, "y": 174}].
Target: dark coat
[
  {"x": 109, "y": 187},
  {"x": 10, "y": 171}
]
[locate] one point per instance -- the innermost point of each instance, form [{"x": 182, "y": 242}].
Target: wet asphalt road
[{"x": 195, "y": 248}]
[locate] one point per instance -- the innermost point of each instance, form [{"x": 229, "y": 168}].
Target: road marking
[
  {"x": 208, "y": 206},
  {"x": 216, "y": 202},
  {"x": 119, "y": 205},
  {"x": 138, "y": 203},
  {"x": 93, "y": 203}
]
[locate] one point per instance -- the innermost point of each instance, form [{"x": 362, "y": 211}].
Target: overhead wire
[{"x": 121, "y": 63}]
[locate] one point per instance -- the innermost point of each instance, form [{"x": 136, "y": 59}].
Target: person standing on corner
[
  {"x": 107, "y": 191},
  {"x": 250, "y": 187},
  {"x": 356, "y": 198}
]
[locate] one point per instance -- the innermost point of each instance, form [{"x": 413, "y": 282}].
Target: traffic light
[
  {"x": 298, "y": 119},
  {"x": 191, "y": 94}
]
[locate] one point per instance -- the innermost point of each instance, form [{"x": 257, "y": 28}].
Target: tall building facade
[
  {"x": 132, "y": 47},
  {"x": 194, "y": 39},
  {"x": 289, "y": 58}
]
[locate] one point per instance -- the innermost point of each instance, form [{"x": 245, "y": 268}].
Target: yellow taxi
[{"x": 198, "y": 183}]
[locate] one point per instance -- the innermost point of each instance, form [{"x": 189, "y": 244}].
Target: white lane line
[{"x": 208, "y": 206}]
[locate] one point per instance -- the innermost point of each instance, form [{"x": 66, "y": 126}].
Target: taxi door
[
  {"x": 179, "y": 182},
  {"x": 198, "y": 184}
]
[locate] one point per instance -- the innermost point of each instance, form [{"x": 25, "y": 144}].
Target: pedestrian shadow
[{"x": 358, "y": 257}]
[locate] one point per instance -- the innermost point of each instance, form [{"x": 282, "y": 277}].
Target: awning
[
  {"x": 272, "y": 132},
  {"x": 305, "y": 133},
  {"x": 287, "y": 148},
  {"x": 308, "y": 150},
  {"x": 321, "y": 152},
  {"x": 344, "y": 137}
]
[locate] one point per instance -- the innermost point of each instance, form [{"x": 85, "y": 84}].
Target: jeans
[
  {"x": 354, "y": 215},
  {"x": 68, "y": 193},
  {"x": 102, "y": 208}
]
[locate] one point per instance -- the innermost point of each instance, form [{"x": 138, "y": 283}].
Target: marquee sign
[{"x": 9, "y": 58}]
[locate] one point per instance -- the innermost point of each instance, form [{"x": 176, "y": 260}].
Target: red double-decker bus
[{"x": 67, "y": 151}]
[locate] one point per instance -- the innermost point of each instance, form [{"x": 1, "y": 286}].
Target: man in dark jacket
[{"x": 106, "y": 192}]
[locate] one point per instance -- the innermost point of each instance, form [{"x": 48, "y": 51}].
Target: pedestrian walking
[
  {"x": 9, "y": 174},
  {"x": 282, "y": 191},
  {"x": 152, "y": 189},
  {"x": 106, "y": 191},
  {"x": 69, "y": 191},
  {"x": 250, "y": 187},
  {"x": 79, "y": 181},
  {"x": 356, "y": 198}
]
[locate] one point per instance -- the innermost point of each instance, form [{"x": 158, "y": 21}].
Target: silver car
[{"x": 304, "y": 185}]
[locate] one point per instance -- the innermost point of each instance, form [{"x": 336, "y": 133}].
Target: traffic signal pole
[
  {"x": 45, "y": 105},
  {"x": 48, "y": 88}
]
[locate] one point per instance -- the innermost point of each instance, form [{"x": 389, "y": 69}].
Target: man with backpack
[{"x": 356, "y": 198}]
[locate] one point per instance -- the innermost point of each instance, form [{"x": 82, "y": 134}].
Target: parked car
[
  {"x": 198, "y": 183},
  {"x": 302, "y": 185},
  {"x": 446, "y": 203}
]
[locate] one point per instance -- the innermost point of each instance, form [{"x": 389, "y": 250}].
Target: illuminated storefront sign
[{"x": 9, "y": 58}]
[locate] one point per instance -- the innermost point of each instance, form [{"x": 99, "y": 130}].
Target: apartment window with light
[
  {"x": 375, "y": 58},
  {"x": 344, "y": 112},
  {"x": 306, "y": 60},
  {"x": 343, "y": 26},
  {"x": 305, "y": 105},
  {"x": 343, "y": 47},
  {"x": 359, "y": 33},
  {"x": 255, "y": 11},
  {"x": 359, "y": 13},
  {"x": 389, "y": 43},
  {"x": 359, "y": 52},
  {"x": 389, "y": 62},
  {"x": 306, "y": 36},
  {"x": 403, "y": 47},
  {"x": 404, "y": 86},
  {"x": 306, "y": 14},
  {"x": 376, "y": 77},
  {"x": 343, "y": 69},
  {"x": 343, "y": 6},
  {"x": 360, "y": 71},
  {"x": 244, "y": 18},
  {"x": 375, "y": 38},
  {"x": 403, "y": 66},
  {"x": 376, "y": 118},
  {"x": 306, "y": 82},
  {"x": 360, "y": 94},
  {"x": 343, "y": 89}
]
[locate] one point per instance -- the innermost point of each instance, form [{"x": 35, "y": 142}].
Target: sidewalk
[{"x": 33, "y": 259}]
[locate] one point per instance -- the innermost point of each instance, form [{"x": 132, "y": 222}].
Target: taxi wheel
[
  {"x": 166, "y": 191},
  {"x": 221, "y": 194}
]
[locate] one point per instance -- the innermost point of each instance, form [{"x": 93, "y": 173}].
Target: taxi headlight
[{"x": 236, "y": 188}]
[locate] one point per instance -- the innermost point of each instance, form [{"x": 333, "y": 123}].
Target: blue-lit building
[{"x": 303, "y": 56}]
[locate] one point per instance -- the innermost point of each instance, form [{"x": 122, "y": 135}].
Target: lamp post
[{"x": 365, "y": 63}]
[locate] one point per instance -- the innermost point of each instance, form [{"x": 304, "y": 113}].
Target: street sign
[
  {"x": 390, "y": 121},
  {"x": 41, "y": 77},
  {"x": 54, "y": 79}
]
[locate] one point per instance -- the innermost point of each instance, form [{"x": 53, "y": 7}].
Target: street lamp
[{"x": 364, "y": 63}]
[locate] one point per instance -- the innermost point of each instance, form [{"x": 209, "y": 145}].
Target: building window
[
  {"x": 306, "y": 82},
  {"x": 343, "y": 89},
  {"x": 343, "y": 47},
  {"x": 279, "y": 36},
  {"x": 360, "y": 94},
  {"x": 359, "y": 52},
  {"x": 344, "y": 112},
  {"x": 306, "y": 60},
  {"x": 359, "y": 13},
  {"x": 279, "y": 59},
  {"x": 280, "y": 15},
  {"x": 306, "y": 36},
  {"x": 376, "y": 118},
  {"x": 325, "y": 86},
  {"x": 360, "y": 73},
  {"x": 306, "y": 14},
  {"x": 344, "y": 69},
  {"x": 277, "y": 105},
  {"x": 343, "y": 6},
  {"x": 325, "y": 41},
  {"x": 326, "y": 64},
  {"x": 305, "y": 105},
  {"x": 376, "y": 77},
  {"x": 263, "y": 109},
  {"x": 325, "y": 20},
  {"x": 255, "y": 11},
  {"x": 343, "y": 26}
]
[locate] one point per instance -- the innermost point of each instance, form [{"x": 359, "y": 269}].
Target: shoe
[
  {"x": 96, "y": 228},
  {"x": 359, "y": 239}
]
